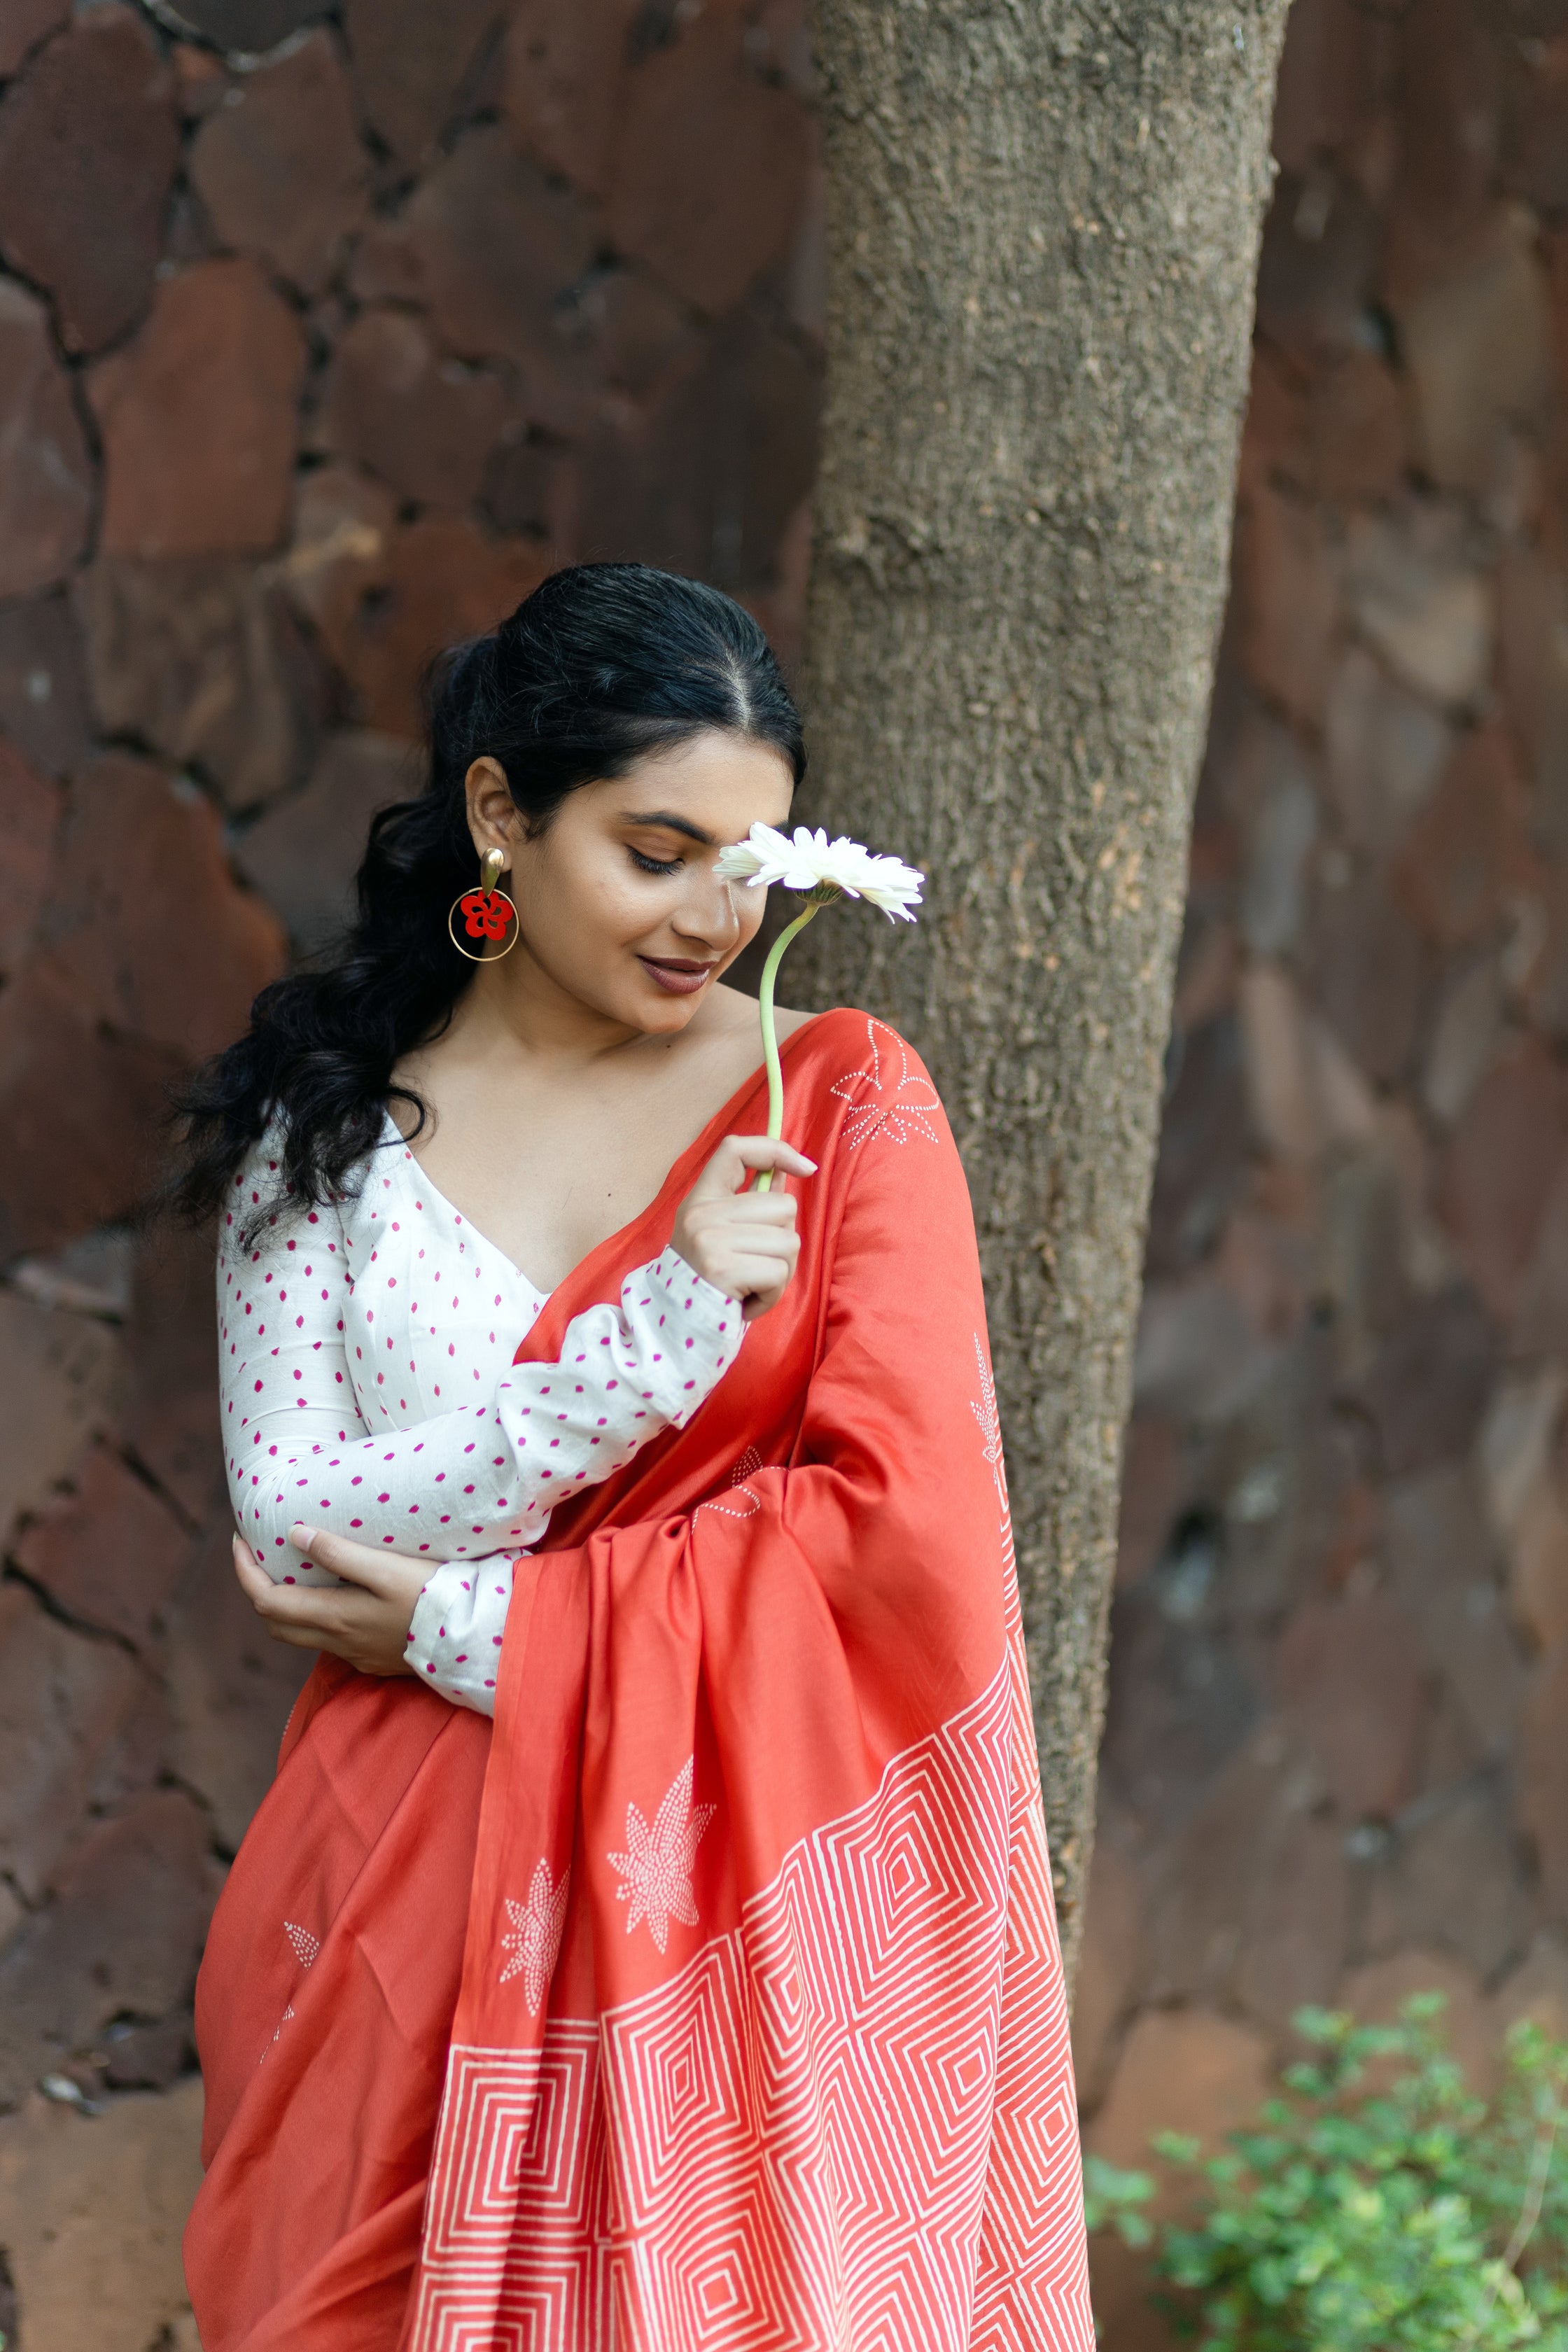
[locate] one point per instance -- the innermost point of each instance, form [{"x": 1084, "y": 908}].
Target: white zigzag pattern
[{"x": 848, "y": 2126}]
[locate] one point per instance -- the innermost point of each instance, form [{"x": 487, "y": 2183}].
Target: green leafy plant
[{"x": 1376, "y": 2206}]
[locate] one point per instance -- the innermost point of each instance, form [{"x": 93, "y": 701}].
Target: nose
[{"x": 706, "y": 915}]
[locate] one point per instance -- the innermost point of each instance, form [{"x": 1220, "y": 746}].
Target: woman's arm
[
  {"x": 485, "y": 1476},
  {"x": 465, "y": 1483},
  {"x": 620, "y": 1379}
]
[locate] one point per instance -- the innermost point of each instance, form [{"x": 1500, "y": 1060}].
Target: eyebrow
[{"x": 672, "y": 824}]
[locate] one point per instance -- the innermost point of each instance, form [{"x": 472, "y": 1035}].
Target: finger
[
  {"x": 273, "y": 1604},
  {"x": 251, "y": 1579},
  {"x": 748, "y": 1272},
  {"x": 772, "y": 1255},
  {"x": 356, "y": 1563},
  {"x": 745, "y": 1211},
  {"x": 254, "y": 1582},
  {"x": 740, "y": 1154}
]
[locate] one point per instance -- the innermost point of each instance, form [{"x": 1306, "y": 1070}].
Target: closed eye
[{"x": 654, "y": 864}]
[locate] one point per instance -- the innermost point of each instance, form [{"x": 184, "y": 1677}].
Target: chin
[{"x": 643, "y": 1004}]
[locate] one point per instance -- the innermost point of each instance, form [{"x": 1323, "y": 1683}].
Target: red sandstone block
[
  {"x": 1288, "y": 602},
  {"x": 1418, "y": 598},
  {"x": 1450, "y": 92},
  {"x": 231, "y": 1686},
  {"x": 43, "y": 685},
  {"x": 29, "y": 820},
  {"x": 1370, "y": 971},
  {"x": 166, "y": 946},
  {"x": 245, "y": 28},
  {"x": 563, "y": 74},
  {"x": 23, "y": 24},
  {"x": 344, "y": 525},
  {"x": 710, "y": 165},
  {"x": 1532, "y": 633},
  {"x": 1501, "y": 1166},
  {"x": 1452, "y": 1877},
  {"x": 279, "y": 166},
  {"x": 489, "y": 246},
  {"x": 1318, "y": 267},
  {"x": 640, "y": 338},
  {"x": 411, "y": 61},
  {"x": 651, "y": 487},
  {"x": 1355, "y": 431},
  {"x": 1468, "y": 853},
  {"x": 1537, "y": 167},
  {"x": 443, "y": 579},
  {"x": 304, "y": 854},
  {"x": 88, "y": 145},
  {"x": 62, "y": 1701},
  {"x": 426, "y": 424},
  {"x": 1427, "y": 1388},
  {"x": 198, "y": 419},
  {"x": 1543, "y": 1774},
  {"x": 1350, "y": 1675},
  {"x": 123, "y": 1937},
  {"x": 82, "y": 1112},
  {"x": 1274, "y": 431},
  {"x": 1323, "y": 80},
  {"x": 171, "y": 1419},
  {"x": 1386, "y": 750},
  {"x": 110, "y": 1554},
  {"x": 1476, "y": 342},
  {"x": 202, "y": 657},
  {"x": 46, "y": 472}
]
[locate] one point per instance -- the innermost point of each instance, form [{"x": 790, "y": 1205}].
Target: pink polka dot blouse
[{"x": 368, "y": 1388}]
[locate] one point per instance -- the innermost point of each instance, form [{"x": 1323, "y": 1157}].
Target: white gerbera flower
[
  {"x": 824, "y": 871},
  {"x": 810, "y": 862}
]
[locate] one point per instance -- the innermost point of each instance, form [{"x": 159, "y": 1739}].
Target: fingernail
[{"x": 300, "y": 1534}]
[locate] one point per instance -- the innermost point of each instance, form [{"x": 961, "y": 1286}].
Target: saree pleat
[{"x": 714, "y": 2000}]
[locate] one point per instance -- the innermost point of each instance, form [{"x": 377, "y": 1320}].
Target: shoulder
[
  {"x": 847, "y": 1034},
  {"x": 864, "y": 1081},
  {"x": 261, "y": 1217}
]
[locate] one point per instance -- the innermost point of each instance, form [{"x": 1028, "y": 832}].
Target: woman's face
[{"x": 619, "y": 900}]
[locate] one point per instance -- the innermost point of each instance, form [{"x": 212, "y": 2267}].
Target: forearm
[
  {"x": 455, "y": 1632},
  {"x": 485, "y": 1477}
]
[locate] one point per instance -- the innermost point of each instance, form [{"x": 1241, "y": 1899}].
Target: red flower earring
[{"x": 487, "y": 913}]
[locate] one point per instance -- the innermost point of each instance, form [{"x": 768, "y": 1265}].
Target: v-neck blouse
[{"x": 368, "y": 1388}]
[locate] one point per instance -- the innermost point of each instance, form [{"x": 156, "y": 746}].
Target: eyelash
[{"x": 654, "y": 864}]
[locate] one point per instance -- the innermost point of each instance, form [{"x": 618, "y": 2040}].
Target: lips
[{"x": 677, "y": 976}]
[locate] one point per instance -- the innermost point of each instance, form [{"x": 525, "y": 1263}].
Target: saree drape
[{"x": 714, "y": 2000}]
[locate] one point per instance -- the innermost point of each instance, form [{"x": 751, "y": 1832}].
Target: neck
[{"x": 514, "y": 1011}]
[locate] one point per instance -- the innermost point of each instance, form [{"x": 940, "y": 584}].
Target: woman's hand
[
  {"x": 364, "y": 1621},
  {"x": 744, "y": 1244}
]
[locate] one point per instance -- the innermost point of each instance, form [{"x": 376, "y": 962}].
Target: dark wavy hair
[{"x": 602, "y": 662}]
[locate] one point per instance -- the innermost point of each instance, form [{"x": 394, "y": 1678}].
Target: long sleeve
[{"x": 466, "y": 1482}]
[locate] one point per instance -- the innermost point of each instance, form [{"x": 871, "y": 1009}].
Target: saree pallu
[{"x": 713, "y": 2002}]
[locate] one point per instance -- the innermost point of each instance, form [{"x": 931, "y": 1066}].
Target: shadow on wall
[
  {"x": 1338, "y": 1732},
  {"x": 325, "y": 331}
]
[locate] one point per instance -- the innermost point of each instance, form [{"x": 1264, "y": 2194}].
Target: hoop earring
[{"x": 488, "y": 914}]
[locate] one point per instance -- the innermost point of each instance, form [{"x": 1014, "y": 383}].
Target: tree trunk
[{"x": 1042, "y": 221}]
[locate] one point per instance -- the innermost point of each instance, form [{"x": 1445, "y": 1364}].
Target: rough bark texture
[{"x": 1043, "y": 228}]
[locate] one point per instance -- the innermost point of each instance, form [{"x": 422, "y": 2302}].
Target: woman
[{"x": 647, "y": 1939}]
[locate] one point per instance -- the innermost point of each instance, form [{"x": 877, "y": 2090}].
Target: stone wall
[
  {"x": 325, "y": 333},
  {"x": 1336, "y": 1760}
]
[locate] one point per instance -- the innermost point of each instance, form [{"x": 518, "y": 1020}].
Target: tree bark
[{"x": 1042, "y": 221}]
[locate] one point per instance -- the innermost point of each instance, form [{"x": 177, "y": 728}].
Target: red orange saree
[{"x": 713, "y": 2000}]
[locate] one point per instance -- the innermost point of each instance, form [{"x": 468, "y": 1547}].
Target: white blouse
[{"x": 368, "y": 1388}]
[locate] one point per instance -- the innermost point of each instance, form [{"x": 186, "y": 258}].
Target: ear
[{"x": 493, "y": 818}]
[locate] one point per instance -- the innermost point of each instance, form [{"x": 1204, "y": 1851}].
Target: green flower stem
[{"x": 770, "y": 1035}]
